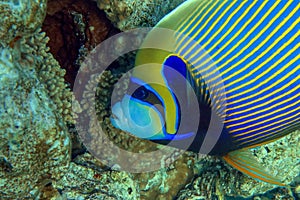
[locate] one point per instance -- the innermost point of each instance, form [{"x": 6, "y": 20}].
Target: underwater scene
[{"x": 149, "y": 100}]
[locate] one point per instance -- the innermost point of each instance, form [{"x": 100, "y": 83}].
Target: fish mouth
[
  {"x": 118, "y": 118},
  {"x": 114, "y": 117}
]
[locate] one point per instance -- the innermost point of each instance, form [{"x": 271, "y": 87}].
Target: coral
[
  {"x": 129, "y": 14},
  {"x": 91, "y": 182},
  {"x": 166, "y": 182},
  {"x": 94, "y": 139},
  {"x": 50, "y": 193},
  {"x": 35, "y": 105},
  {"x": 48, "y": 72},
  {"x": 74, "y": 28},
  {"x": 35, "y": 146},
  {"x": 19, "y": 18}
]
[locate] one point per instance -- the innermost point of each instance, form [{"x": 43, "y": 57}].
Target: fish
[{"x": 235, "y": 65}]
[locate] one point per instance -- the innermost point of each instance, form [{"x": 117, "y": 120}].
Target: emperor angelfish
[{"x": 241, "y": 60}]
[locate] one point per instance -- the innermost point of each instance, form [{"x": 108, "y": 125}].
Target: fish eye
[{"x": 141, "y": 93}]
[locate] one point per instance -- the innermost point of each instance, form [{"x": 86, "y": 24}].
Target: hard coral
[
  {"x": 49, "y": 73},
  {"x": 35, "y": 104},
  {"x": 129, "y": 14},
  {"x": 20, "y": 18},
  {"x": 35, "y": 146}
]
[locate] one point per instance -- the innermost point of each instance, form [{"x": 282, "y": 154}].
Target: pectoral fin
[{"x": 245, "y": 162}]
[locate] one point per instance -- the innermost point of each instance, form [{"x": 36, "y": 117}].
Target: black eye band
[{"x": 141, "y": 93}]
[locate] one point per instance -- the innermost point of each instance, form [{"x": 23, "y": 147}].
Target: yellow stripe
[
  {"x": 267, "y": 80},
  {"x": 189, "y": 25},
  {"x": 261, "y": 54},
  {"x": 189, "y": 22},
  {"x": 291, "y": 125},
  {"x": 266, "y": 126},
  {"x": 257, "y": 112},
  {"x": 260, "y": 84},
  {"x": 263, "y": 63},
  {"x": 263, "y": 122},
  {"x": 212, "y": 26},
  {"x": 249, "y": 33},
  {"x": 268, "y": 95},
  {"x": 260, "y": 92},
  {"x": 253, "y": 39},
  {"x": 202, "y": 26},
  {"x": 229, "y": 31}
]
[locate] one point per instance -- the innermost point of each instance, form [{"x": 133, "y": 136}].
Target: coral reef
[
  {"x": 129, "y": 14},
  {"x": 19, "y": 18},
  {"x": 86, "y": 180},
  {"x": 35, "y": 105},
  {"x": 48, "y": 72},
  {"x": 35, "y": 145},
  {"x": 74, "y": 28}
]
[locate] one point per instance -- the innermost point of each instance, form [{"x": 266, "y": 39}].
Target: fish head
[
  {"x": 139, "y": 116},
  {"x": 149, "y": 109}
]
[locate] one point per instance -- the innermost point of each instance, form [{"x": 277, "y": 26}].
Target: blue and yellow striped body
[{"x": 254, "y": 46}]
